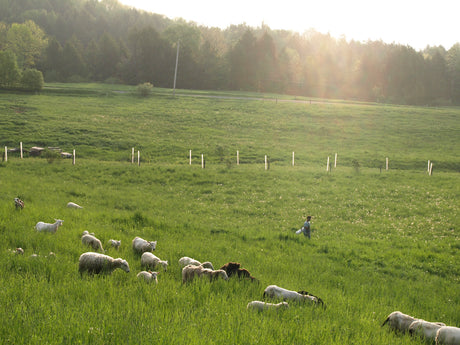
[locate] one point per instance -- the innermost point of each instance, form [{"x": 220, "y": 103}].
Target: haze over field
[{"x": 409, "y": 22}]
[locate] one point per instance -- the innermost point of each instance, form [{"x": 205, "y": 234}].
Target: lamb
[
  {"x": 91, "y": 240},
  {"x": 448, "y": 335},
  {"x": 184, "y": 261},
  {"x": 19, "y": 251},
  {"x": 275, "y": 291},
  {"x": 115, "y": 243},
  {"x": 47, "y": 227},
  {"x": 190, "y": 271},
  {"x": 259, "y": 305},
  {"x": 99, "y": 263},
  {"x": 141, "y": 246},
  {"x": 399, "y": 321},
  {"x": 425, "y": 329},
  {"x": 18, "y": 203},
  {"x": 151, "y": 261},
  {"x": 234, "y": 269},
  {"x": 73, "y": 205},
  {"x": 148, "y": 276}
]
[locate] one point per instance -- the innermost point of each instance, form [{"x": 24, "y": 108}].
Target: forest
[{"x": 105, "y": 41}]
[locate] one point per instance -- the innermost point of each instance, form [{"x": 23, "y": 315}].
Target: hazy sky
[{"x": 417, "y": 23}]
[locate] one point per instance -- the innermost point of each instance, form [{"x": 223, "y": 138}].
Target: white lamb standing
[
  {"x": 99, "y": 263},
  {"x": 261, "y": 306},
  {"x": 73, "y": 205},
  {"x": 275, "y": 291},
  {"x": 150, "y": 260},
  {"x": 141, "y": 246},
  {"x": 399, "y": 321},
  {"x": 448, "y": 335},
  {"x": 91, "y": 240},
  {"x": 47, "y": 227},
  {"x": 425, "y": 329},
  {"x": 190, "y": 271},
  {"x": 115, "y": 243},
  {"x": 148, "y": 276},
  {"x": 185, "y": 260}
]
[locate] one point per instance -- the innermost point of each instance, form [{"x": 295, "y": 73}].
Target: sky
[{"x": 416, "y": 23}]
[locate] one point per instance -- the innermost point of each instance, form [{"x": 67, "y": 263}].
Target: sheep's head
[
  {"x": 223, "y": 274},
  {"x": 124, "y": 265},
  {"x": 59, "y": 222},
  {"x": 165, "y": 265},
  {"x": 154, "y": 276},
  {"x": 153, "y": 244}
]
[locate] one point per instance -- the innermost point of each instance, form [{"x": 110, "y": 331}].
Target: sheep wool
[
  {"x": 92, "y": 241},
  {"x": 399, "y": 321},
  {"x": 141, "y": 246},
  {"x": 148, "y": 276},
  {"x": 99, "y": 263},
  {"x": 47, "y": 227},
  {"x": 259, "y": 305},
  {"x": 151, "y": 261}
]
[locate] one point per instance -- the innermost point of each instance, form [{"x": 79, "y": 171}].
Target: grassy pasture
[{"x": 381, "y": 241}]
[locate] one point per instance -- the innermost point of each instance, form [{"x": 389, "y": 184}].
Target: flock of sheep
[
  {"x": 431, "y": 331},
  {"x": 95, "y": 263}
]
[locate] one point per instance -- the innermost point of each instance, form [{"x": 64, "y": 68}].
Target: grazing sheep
[
  {"x": 151, "y": 261},
  {"x": 399, "y": 321},
  {"x": 91, "y": 240},
  {"x": 86, "y": 232},
  {"x": 190, "y": 271},
  {"x": 234, "y": 269},
  {"x": 259, "y": 305},
  {"x": 73, "y": 205},
  {"x": 448, "y": 335},
  {"x": 274, "y": 291},
  {"x": 148, "y": 276},
  {"x": 207, "y": 264},
  {"x": 141, "y": 246},
  {"x": 99, "y": 263},
  {"x": 115, "y": 243},
  {"x": 19, "y": 251},
  {"x": 185, "y": 260},
  {"x": 18, "y": 203},
  {"x": 47, "y": 227},
  {"x": 425, "y": 329}
]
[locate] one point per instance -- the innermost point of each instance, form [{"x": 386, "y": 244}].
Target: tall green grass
[{"x": 381, "y": 240}]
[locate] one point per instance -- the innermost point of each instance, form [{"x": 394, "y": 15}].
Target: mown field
[{"x": 381, "y": 240}]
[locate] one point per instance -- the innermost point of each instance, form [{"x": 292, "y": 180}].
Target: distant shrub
[
  {"x": 144, "y": 90},
  {"x": 32, "y": 80}
]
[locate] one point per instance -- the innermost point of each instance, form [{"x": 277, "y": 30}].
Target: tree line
[{"x": 105, "y": 41}]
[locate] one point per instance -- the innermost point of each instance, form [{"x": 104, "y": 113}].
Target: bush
[
  {"x": 32, "y": 80},
  {"x": 144, "y": 90}
]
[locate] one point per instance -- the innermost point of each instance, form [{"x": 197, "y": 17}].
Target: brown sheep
[{"x": 234, "y": 269}]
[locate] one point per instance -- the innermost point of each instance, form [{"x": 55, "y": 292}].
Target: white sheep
[
  {"x": 399, "y": 321},
  {"x": 185, "y": 260},
  {"x": 19, "y": 251},
  {"x": 259, "y": 305},
  {"x": 425, "y": 329},
  {"x": 47, "y": 227},
  {"x": 115, "y": 243},
  {"x": 91, "y": 240},
  {"x": 86, "y": 232},
  {"x": 190, "y": 271},
  {"x": 73, "y": 205},
  {"x": 448, "y": 335},
  {"x": 148, "y": 276},
  {"x": 275, "y": 291},
  {"x": 150, "y": 260},
  {"x": 141, "y": 246},
  {"x": 99, "y": 263}
]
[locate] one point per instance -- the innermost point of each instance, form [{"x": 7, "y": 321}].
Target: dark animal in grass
[{"x": 234, "y": 269}]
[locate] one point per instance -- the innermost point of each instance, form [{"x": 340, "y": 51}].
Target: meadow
[{"x": 381, "y": 240}]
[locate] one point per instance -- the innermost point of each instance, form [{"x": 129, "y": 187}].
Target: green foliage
[
  {"x": 9, "y": 71},
  {"x": 144, "y": 90},
  {"x": 32, "y": 80}
]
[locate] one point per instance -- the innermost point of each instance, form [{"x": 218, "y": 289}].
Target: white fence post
[
  {"x": 327, "y": 165},
  {"x": 386, "y": 164},
  {"x": 237, "y": 157},
  {"x": 132, "y": 155},
  {"x": 431, "y": 168},
  {"x": 293, "y": 162},
  {"x": 6, "y": 154},
  {"x": 335, "y": 161},
  {"x": 138, "y": 158},
  {"x": 20, "y": 147},
  {"x": 190, "y": 157},
  {"x": 202, "y": 161},
  {"x": 73, "y": 157},
  {"x": 266, "y": 163}
]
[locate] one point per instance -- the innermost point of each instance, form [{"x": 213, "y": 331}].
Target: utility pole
[{"x": 175, "y": 71}]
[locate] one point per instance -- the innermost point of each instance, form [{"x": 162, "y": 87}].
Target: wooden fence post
[
  {"x": 335, "y": 161},
  {"x": 237, "y": 157},
  {"x": 202, "y": 161},
  {"x": 190, "y": 157},
  {"x": 266, "y": 163},
  {"x": 73, "y": 157},
  {"x": 293, "y": 162},
  {"x": 138, "y": 158},
  {"x": 20, "y": 147},
  {"x": 6, "y": 154},
  {"x": 327, "y": 165},
  {"x": 386, "y": 164},
  {"x": 132, "y": 155}
]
